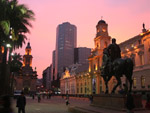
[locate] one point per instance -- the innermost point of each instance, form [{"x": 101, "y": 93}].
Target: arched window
[
  {"x": 134, "y": 82},
  {"x": 133, "y": 59},
  {"x": 141, "y": 57},
  {"x": 143, "y": 82},
  {"x": 105, "y": 44},
  {"x": 94, "y": 67},
  {"x": 85, "y": 90}
]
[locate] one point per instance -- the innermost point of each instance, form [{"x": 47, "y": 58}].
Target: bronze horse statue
[{"x": 117, "y": 68}]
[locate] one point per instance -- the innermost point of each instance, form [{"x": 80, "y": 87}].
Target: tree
[
  {"x": 16, "y": 63},
  {"x": 15, "y": 67},
  {"x": 14, "y": 22}
]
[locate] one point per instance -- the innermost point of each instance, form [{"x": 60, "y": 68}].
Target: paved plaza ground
[{"x": 57, "y": 105}]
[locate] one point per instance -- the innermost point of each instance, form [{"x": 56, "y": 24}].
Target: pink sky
[{"x": 124, "y": 18}]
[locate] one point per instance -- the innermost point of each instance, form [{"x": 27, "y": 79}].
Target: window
[
  {"x": 143, "y": 82},
  {"x": 139, "y": 41},
  {"x": 94, "y": 66},
  {"x": 141, "y": 59},
  {"x": 81, "y": 89},
  {"x": 105, "y": 44},
  {"x": 133, "y": 59},
  {"x": 77, "y": 90},
  {"x": 134, "y": 82},
  {"x": 97, "y": 45}
]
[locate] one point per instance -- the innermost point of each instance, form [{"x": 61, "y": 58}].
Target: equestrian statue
[{"x": 114, "y": 65}]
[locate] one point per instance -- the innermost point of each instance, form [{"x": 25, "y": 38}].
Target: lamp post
[
  {"x": 8, "y": 73},
  {"x": 4, "y": 79},
  {"x": 5, "y": 69}
]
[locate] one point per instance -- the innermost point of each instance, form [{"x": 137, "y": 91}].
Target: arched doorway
[{"x": 26, "y": 85}]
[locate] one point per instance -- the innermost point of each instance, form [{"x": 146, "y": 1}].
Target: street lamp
[{"x": 8, "y": 45}]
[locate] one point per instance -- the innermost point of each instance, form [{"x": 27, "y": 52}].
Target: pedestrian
[
  {"x": 91, "y": 98},
  {"x": 33, "y": 96},
  {"x": 120, "y": 91},
  {"x": 67, "y": 101},
  {"x": 43, "y": 95},
  {"x": 147, "y": 106},
  {"x": 125, "y": 89},
  {"x": 39, "y": 98},
  {"x": 49, "y": 95},
  {"x": 21, "y": 103},
  {"x": 130, "y": 103}
]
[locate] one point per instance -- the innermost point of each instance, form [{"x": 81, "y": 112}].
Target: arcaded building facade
[{"x": 138, "y": 49}]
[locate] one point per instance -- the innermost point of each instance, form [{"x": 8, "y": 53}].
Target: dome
[{"x": 101, "y": 21}]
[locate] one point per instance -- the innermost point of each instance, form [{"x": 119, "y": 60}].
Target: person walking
[
  {"x": 21, "y": 103},
  {"x": 49, "y": 95},
  {"x": 39, "y": 98},
  {"x": 91, "y": 98},
  {"x": 33, "y": 96},
  {"x": 67, "y": 101},
  {"x": 130, "y": 103}
]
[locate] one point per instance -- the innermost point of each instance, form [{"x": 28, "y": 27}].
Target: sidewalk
[{"x": 92, "y": 109}]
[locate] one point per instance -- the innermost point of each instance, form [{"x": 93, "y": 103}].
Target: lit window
[
  {"x": 141, "y": 59},
  {"x": 133, "y": 59},
  {"x": 134, "y": 82},
  {"x": 94, "y": 67},
  {"x": 139, "y": 41},
  {"x": 105, "y": 44},
  {"x": 143, "y": 82}
]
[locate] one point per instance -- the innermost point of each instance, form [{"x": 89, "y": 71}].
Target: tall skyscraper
[
  {"x": 66, "y": 41},
  {"x": 81, "y": 55}
]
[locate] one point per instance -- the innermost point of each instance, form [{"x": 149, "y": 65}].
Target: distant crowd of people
[{"x": 5, "y": 102}]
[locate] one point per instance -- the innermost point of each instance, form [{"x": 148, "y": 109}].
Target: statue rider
[{"x": 114, "y": 50}]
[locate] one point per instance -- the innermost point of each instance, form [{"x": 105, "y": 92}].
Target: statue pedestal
[{"x": 115, "y": 101}]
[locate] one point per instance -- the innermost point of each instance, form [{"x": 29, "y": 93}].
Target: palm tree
[
  {"x": 14, "y": 21},
  {"x": 16, "y": 63},
  {"x": 15, "y": 67}
]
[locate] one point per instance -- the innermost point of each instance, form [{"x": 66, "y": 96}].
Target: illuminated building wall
[
  {"x": 101, "y": 41},
  {"x": 26, "y": 79},
  {"x": 27, "y": 58},
  {"x": 138, "y": 49}
]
